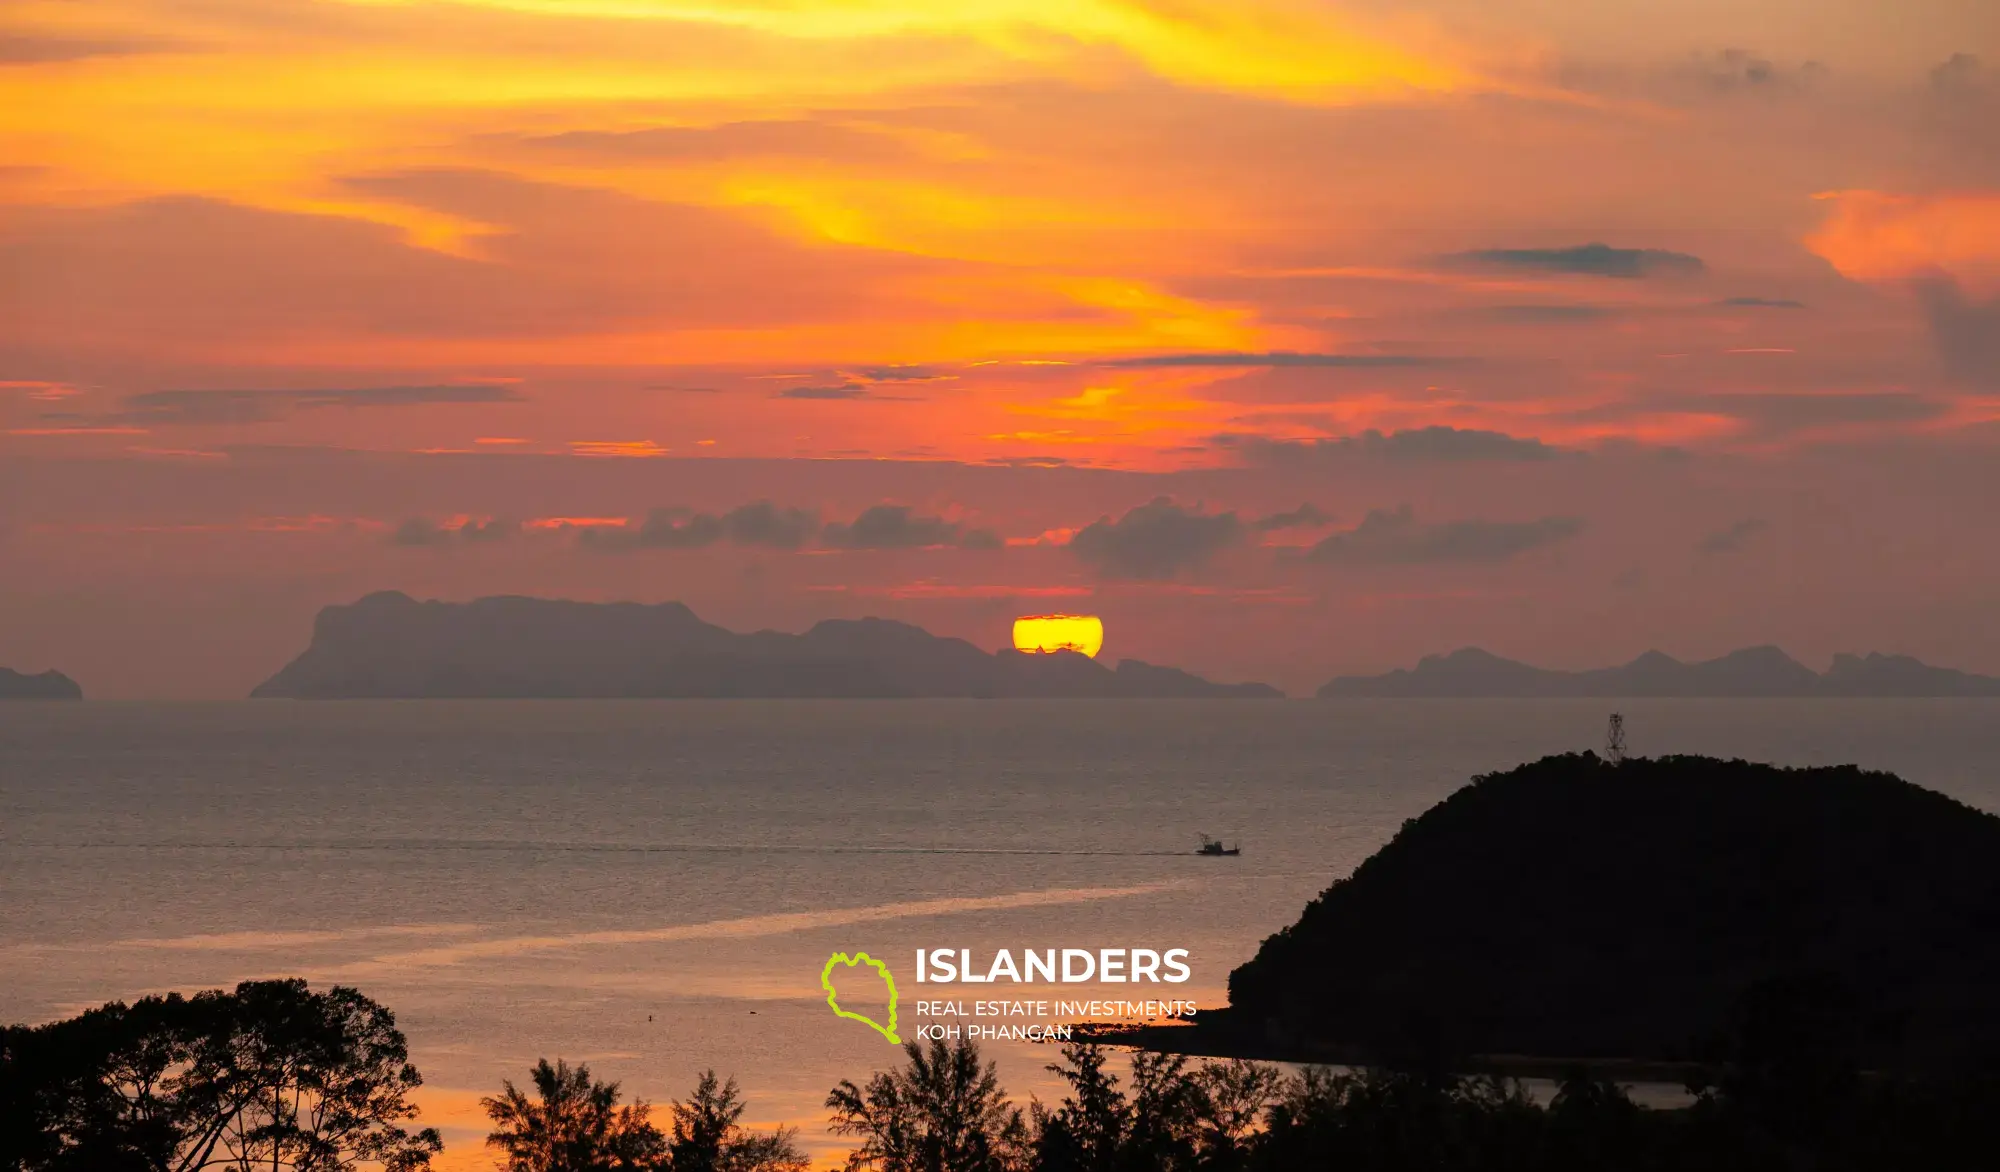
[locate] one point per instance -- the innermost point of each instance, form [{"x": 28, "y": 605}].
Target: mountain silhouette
[
  {"x": 1753, "y": 671},
  {"x": 388, "y": 645},
  {"x": 49, "y": 685}
]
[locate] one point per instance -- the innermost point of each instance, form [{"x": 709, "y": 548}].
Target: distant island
[
  {"x": 48, "y": 685},
  {"x": 1471, "y": 673},
  {"x": 1576, "y": 909},
  {"x": 390, "y": 646}
]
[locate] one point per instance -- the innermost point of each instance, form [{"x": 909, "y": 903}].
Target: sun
[{"x": 1045, "y": 633}]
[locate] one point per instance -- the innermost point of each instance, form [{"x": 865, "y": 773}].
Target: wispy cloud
[
  {"x": 1589, "y": 260},
  {"x": 182, "y": 408},
  {"x": 1281, "y": 358},
  {"x": 1394, "y": 537}
]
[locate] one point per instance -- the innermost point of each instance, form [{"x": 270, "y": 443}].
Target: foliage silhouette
[
  {"x": 943, "y": 1112},
  {"x": 707, "y": 1137},
  {"x": 268, "y": 1075},
  {"x": 574, "y": 1123}
]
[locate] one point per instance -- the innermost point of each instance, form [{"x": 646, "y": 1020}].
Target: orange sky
[{"x": 1673, "y": 254}]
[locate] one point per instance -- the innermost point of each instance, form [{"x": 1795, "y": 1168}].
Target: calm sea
[{"x": 653, "y": 887}]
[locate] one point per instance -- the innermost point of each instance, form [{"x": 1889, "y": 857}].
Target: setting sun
[{"x": 1059, "y": 632}]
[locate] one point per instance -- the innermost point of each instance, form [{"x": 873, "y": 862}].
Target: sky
[{"x": 1293, "y": 337}]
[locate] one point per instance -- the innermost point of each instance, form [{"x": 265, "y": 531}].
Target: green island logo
[{"x": 833, "y": 1001}]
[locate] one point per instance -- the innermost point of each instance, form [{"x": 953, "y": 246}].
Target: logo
[{"x": 833, "y": 1000}]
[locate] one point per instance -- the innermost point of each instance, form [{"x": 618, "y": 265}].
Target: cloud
[
  {"x": 1156, "y": 540},
  {"x": 1304, "y": 517},
  {"x": 1961, "y": 75},
  {"x": 1733, "y": 538},
  {"x": 1740, "y": 70},
  {"x": 1590, "y": 260},
  {"x": 1967, "y": 332},
  {"x": 1278, "y": 358},
  {"x": 1760, "y": 303},
  {"x": 1887, "y": 237},
  {"x": 492, "y": 529},
  {"x": 1395, "y": 537},
  {"x": 1778, "y": 414},
  {"x": 1415, "y": 445},
  {"x": 418, "y": 532},
  {"x": 900, "y": 527},
  {"x": 1542, "y": 314},
  {"x": 1028, "y": 461},
  {"x": 765, "y": 138},
  {"x": 759, "y": 523},
  {"x": 207, "y": 407},
  {"x": 26, "y": 49},
  {"x": 896, "y": 373},
  {"x": 764, "y": 524},
  {"x": 421, "y": 532},
  {"x": 841, "y": 391}
]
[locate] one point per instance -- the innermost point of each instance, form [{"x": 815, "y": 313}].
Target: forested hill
[{"x": 1574, "y": 908}]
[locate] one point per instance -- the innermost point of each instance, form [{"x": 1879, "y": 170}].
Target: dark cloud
[
  {"x": 1541, "y": 314},
  {"x": 765, "y": 524},
  {"x": 1304, "y": 517},
  {"x": 421, "y": 532},
  {"x": 24, "y": 49},
  {"x": 1760, "y": 303},
  {"x": 759, "y": 523},
  {"x": 1029, "y": 461},
  {"x": 896, "y": 373},
  {"x": 418, "y": 532},
  {"x": 1279, "y": 358},
  {"x": 1156, "y": 540},
  {"x": 1395, "y": 537},
  {"x": 199, "y": 407},
  {"x": 1743, "y": 71},
  {"x": 490, "y": 530},
  {"x": 1961, "y": 75},
  {"x": 1733, "y": 538},
  {"x": 1590, "y": 260},
  {"x": 835, "y": 392},
  {"x": 673, "y": 528},
  {"x": 900, "y": 527},
  {"x": 1967, "y": 332},
  {"x": 1416, "y": 445}
]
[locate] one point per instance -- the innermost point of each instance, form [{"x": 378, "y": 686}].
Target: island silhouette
[
  {"x": 48, "y": 685},
  {"x": 391, "y": 646},
  {"x": 1473, "y": 673}
]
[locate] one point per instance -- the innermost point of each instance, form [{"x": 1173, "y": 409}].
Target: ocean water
[{"x": 653, "y": 887}]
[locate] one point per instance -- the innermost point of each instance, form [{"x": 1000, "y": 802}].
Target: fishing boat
[{"x": 1213, "y": 848}]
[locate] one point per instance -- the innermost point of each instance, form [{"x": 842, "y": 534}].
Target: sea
[{"x": 655, "y": 888}]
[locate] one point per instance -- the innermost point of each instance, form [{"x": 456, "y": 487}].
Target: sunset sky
[{"x": 1292, "y": 337}]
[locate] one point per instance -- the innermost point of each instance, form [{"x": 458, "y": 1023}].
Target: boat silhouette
[{"x": 1213, "y": 848}]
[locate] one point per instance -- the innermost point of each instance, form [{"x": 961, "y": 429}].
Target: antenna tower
[{"x": 1614, "y": 740}]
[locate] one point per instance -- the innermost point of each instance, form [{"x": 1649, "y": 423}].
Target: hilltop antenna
[{"x": 1614, "y": 740}]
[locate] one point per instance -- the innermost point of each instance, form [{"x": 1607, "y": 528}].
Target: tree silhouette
[
  {"x": 708, "y": 1138},
  {"x": 943, "y": 1112},
  {"x": 574, "y": 1124},
  {"x": 269, "y": 1075}
]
